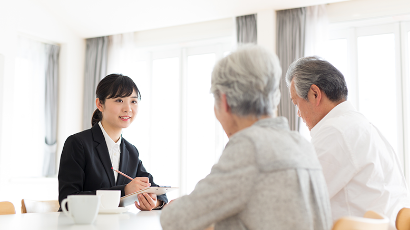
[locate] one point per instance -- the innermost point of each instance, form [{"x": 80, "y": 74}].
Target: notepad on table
[{"x": 131, "y": 198}]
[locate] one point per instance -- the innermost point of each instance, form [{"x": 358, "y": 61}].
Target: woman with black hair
[{"x": 89, "y": 156}]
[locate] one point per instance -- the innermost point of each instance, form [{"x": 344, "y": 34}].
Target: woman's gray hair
[
  {"x": 309, "y": 71},
  {"x": 249, "y": 77}
]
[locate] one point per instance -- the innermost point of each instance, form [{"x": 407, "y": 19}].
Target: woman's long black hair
[{"x": 113, "y": 86}]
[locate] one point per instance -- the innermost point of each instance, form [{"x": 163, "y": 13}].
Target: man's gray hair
[
  {"x": 249, "y": 77},
  {"x": 309, "y": 71}
]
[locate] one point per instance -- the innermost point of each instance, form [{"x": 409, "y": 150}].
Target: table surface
[{"x": 57, "y": 220}]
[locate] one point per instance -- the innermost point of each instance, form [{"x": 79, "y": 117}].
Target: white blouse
[
  {"x": 113, "y": 150},
  {"x": 361, "y": 169}
]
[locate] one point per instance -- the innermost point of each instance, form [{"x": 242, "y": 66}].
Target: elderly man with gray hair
[
  {"x": 361, "y": 169},
  {"x": 267, "y": 177}
]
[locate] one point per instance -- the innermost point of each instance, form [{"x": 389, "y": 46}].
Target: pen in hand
[
  {"x": 122, "y": 173},
  {"x": 136, "y": 184}
]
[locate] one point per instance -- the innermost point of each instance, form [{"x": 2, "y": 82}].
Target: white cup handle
[
  {"x": 101, "y": 199},
  {"x": 63, "y": 204}
]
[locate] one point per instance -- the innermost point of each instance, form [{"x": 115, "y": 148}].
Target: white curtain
[
  {"x": 95, "y": 70},
  {"x": 121, "y": 54},
  {"x": 290, "y": 46},
  {"x": 316, "y": 34},
  {"x": 51, "y": 109},
  {"x": 29, "y": 101},
  {"x": 301, "y": 32},
  {"x": 125, "y": 58},
  {"x": 246, "y": 29}
]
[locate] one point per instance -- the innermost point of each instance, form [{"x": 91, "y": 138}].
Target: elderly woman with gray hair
[{"x": 268, "y": 177}]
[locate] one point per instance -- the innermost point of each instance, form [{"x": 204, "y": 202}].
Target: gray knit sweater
[{"x": 268, "y": 177}]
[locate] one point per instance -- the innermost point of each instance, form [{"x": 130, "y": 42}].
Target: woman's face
[{"x": 120, "y": 112}]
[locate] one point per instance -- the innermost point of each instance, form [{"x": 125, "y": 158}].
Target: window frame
[
  {"x": 400, "y": 27},
  {"x": 219, "y": 46},
  {"x": 405, "y": 68}
]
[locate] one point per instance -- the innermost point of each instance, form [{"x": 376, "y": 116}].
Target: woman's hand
[
  {"x": 147, "y": 201},
  {"x": 137, "y": 184}
]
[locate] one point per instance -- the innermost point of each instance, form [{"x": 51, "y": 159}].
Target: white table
[{"x": 55, "y": 220}]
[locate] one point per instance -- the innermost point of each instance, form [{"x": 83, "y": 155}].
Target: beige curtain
[
  {"x": 246, "y": 30},
  {"x": 50, "y": 106},
  {"x": 95, "y": 70},
  {"x": 290, "y": 47}
]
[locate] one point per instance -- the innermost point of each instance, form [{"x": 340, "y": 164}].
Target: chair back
[
  {"x": 403, "y": 219},
  {"x": 35, "y": 206},
  {"x": 371, "y": 221},
  {"x": 7, "y": 208}
]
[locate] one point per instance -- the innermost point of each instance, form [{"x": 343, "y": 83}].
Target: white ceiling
[{"x": 93, "y": 18}]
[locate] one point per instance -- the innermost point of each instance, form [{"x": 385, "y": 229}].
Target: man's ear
[
  {"x": 315, "y": 94},
  {"x": 224, "y": 104},
  {"x": 99, "y": 105}
]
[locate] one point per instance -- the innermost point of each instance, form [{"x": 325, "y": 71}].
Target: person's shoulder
[
  {"x": 130, "y": 147},
  {"x": 349, "y": 125},
  {"x": 83, "y": 134},
  {"x": 265, "y": 135},
  {"x": 240, "y": 148},
  {"x": 80, "y": 136},
  {"x": 127, "y": 143},
  {"x": 243, "y": 135},
  {"x": 250, "y": 134},
  {"x": 243, "y": 142},
  {"x": 279, "y": 148}
]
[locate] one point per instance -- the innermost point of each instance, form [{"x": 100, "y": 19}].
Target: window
[
  {"x": 176, "y": 132},
  {"x": 165, "y": 121},
  {"x": 376, "y": 70},
  {"x": 201, "y": 127},
  {"x": 337, "y": 55},
  {"x": 27, "y": 104},
  {"x": 141, "y": 125},
  {"x": 405, "y": 38},
  {"x": 377, "y": 83},
  {"x": 29, "y": 101}
]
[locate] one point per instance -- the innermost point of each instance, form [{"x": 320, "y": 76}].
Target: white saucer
[{"x": 113, "y": 210}]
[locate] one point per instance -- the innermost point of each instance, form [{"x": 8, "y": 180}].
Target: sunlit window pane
[
  {"x": 29, "y": 77},
  {"x": 165, "y": 125},
  {"x": 138, "y": 133},
  {"x": 408, "y": 45},
  {"x": 337, "y": 56},
  {"x": 201, "y": 122},
  {"x": 377, "y": 83}
]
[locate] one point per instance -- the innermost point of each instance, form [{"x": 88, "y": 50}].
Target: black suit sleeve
[
  {"x": 72, "y": 177},
  {"x": 142, "y": 172},
  {"x": 71, "y": 173}
]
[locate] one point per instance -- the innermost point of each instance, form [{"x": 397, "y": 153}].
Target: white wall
[
  {"x": 27, "y": 18},
  {"x": 185, "y": 33},
  {"x": 365, "y": 9},
  {"x": 266, "y": 23}
]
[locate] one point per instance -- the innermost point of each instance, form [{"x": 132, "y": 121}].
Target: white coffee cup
[
  {"x": 82, "y": 209},
  {"x": 110, "y": 199}
]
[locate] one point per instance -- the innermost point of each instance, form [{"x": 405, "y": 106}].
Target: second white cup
[{"x": 110, "y": 199}]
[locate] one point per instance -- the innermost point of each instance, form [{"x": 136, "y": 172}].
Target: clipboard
[{"x": 131, "y": 198}]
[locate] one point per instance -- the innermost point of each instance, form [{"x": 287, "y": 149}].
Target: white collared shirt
[
  {"x": 361, "y": 169},
  {"x": 113, "y": 150}
]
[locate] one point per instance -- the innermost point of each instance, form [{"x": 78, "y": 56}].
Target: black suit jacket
[{"x": 85, "y": 165}]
